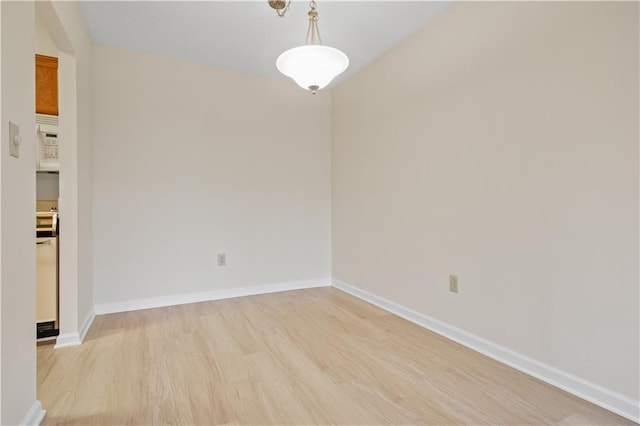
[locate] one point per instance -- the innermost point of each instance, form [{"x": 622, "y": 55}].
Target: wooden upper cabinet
[{"x": 46, "y": 85}]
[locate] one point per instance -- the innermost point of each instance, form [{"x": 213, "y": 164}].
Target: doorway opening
[{"x": 56, "y": 178}]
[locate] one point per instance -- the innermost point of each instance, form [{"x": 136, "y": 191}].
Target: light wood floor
[{"x": 314, "y": 356}]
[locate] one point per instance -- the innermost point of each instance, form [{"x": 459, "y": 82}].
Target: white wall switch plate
[
  {"x": 14, "y": 140},
  {"x": 222, "y": 259}
]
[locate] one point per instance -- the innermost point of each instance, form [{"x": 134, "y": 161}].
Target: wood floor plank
[{"x": 316, "y": 356}]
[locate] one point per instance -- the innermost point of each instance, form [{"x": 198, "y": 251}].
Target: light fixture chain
[
  {"x": 318, "y": 32},
  {"x": 312, "y": 31},
  {"x": 309, "y": 32}
]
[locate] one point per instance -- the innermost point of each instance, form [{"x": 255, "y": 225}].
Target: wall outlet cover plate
[{"x": 453, "y": 283}]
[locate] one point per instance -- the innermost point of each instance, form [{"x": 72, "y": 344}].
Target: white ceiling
[{"x": 248, "y": 36}]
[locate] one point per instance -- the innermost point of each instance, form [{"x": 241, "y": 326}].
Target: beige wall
[
  {"x": 191, "y": 161},
  {"x": 500, "y": 143},
  {"x": 44, "y": 44},
  {"x": 17, "y": 206},
  {"x": 24, "y": 27}
]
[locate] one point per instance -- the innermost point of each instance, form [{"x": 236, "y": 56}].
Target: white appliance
[
  {"x": 47, "y": 256},
  {"x": 47, "y": 280},
  {"x": 47, "y": 131}
]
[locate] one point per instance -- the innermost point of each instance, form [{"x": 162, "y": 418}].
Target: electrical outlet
[
  {"x": 222, "y": 259},
  {"x": 453, "y": 283}
]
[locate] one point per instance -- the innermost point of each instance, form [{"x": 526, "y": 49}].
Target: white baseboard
[
  {"x": 181, "y": 299},
  {"x": 596, "y": 394},
  {"x": 74, "y": 339},
  {"x": 86, "y": 325},
  {"x": 34, "y": 416},
  {"x": 67, "y": 339}
]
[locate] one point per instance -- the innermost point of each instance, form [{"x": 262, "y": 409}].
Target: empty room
[{"x": 328, "y": 212}]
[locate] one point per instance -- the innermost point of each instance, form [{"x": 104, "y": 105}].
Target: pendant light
[{"x": 313, "y": 65}]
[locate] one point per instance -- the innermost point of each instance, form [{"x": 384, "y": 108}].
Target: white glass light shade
[{"x": 312, "y": 66}]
